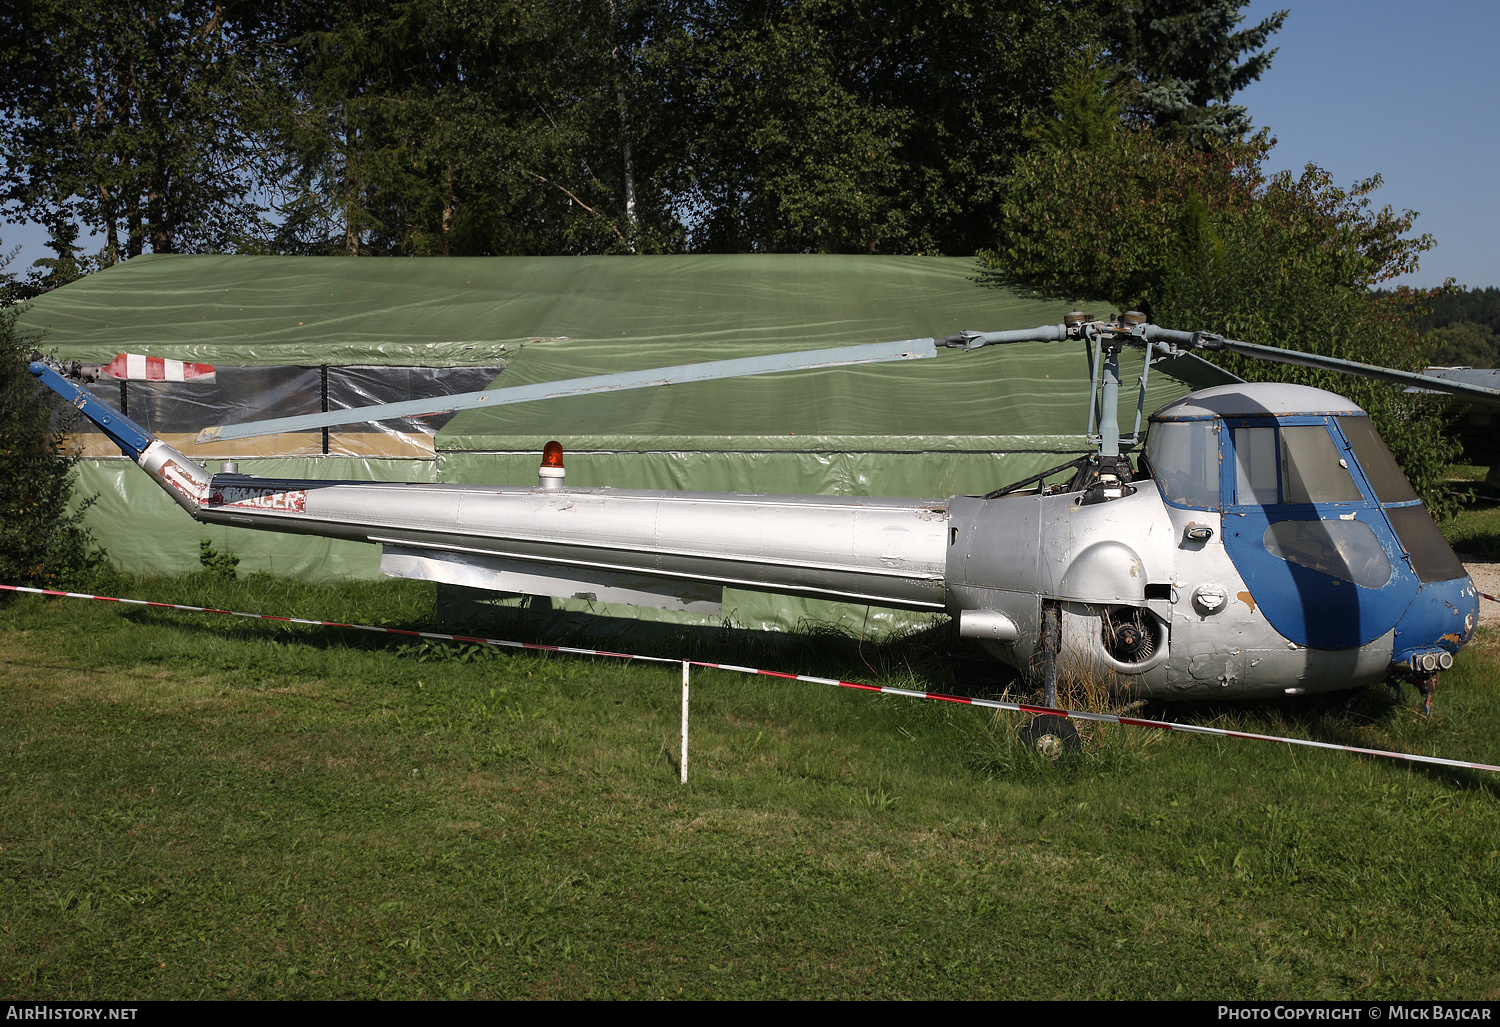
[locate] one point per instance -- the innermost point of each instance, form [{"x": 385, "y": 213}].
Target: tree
[
  {"x": 573, "y": 126},
  {"x": 471, "y": 127},
  {"x": 856, "y": 125},
  {"x": 1481, "y": 306},
  {"x": 48, "y": 273},
  {"x": 775, "y": 153},
  {"x": 1203, "y": 239},
  {"x": 1105, "y": 222},
  {"x": 1463, "y": 344},
  {"x": 1084, "y": 111},
  {"x": 543, "y": 126},
  {"x": 132, "y": 119},
  {"x": 1181, "y": 65}
]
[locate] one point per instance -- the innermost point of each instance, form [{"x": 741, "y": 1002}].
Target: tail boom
[{"x": 889, "y": 552}]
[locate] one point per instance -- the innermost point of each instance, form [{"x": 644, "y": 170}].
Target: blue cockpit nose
[{"x": 1441, "y": 618}]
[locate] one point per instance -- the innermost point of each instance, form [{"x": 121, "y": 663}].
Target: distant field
[{"x": 200, "y": 806}]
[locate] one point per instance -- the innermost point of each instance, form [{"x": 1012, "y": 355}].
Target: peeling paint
[
  {"x": 260, "y": 498},
  {"x": 182, "y": 480},
  {"x": 1247, "y": 599}
]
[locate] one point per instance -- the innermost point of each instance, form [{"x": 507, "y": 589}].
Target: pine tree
[{"x": 1182, "y": 60}]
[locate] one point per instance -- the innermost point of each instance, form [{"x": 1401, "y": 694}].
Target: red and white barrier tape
[{"x": 993, "y": 704}]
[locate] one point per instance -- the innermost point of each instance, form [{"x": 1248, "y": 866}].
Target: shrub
[
  {"x": 216, "y": 564},
  {"x": 42, "y": 539}
]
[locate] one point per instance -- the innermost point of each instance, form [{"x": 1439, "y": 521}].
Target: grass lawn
[
  {"x": 1476, "y": 531},
  {"x": 202, "y": 807}
]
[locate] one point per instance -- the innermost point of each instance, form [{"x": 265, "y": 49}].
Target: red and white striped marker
[
  {"x": 992, "y": 704},
  {"x": 136, "y": 368}
]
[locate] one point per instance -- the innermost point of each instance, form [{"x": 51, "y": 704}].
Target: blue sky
[
  {"x": 1404, "y": 90},
  {"x": 1409, "y": 91}
]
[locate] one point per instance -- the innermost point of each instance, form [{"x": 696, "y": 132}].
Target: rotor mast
[
  {"x": 1109, "y": 399},
  {"x": 1107, "y": 340}
]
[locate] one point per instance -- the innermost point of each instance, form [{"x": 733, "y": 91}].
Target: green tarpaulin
[
  {"x": 287, "y": 310},
  {"x": 965, "y": 422}
]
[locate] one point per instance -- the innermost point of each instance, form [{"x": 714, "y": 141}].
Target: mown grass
[
  {"x": 1475, "y": 532},
  {"x": 207, "y": 807}
]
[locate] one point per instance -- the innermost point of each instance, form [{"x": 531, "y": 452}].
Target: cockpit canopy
[
  {"x": 1273, "y": 463},
  {"x": 1285, "y": 449},
  {"x": 1290, "y": 446}
]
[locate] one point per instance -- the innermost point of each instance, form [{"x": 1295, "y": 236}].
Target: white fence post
[{"x": 684, "y": 719}]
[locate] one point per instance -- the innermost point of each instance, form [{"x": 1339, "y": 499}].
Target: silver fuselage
[
  {"x": 989, "y": 563},
  {"x": 1272, "y": 546}
]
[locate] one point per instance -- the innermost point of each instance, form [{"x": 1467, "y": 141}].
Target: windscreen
[
  {"x": 1431, "y": 556},
  {"x": 1375, "y": 459}
]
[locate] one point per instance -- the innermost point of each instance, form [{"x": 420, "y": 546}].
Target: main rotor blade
[
  {"x": 1475, "y": 393},
  {"x": 806, "y": 360}
]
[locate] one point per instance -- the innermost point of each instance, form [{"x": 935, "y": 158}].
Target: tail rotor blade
[
  {"x": 911, "y": 349},
  {"x": 134, "y": 367}
]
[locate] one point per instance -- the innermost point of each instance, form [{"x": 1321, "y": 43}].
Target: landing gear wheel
[{"x": 1051, "y": 736}]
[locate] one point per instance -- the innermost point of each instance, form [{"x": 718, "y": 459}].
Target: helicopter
[{"x": 1263, "y": 541}]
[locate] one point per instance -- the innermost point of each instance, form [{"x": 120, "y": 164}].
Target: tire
[{"x": 1052, "y": 736}]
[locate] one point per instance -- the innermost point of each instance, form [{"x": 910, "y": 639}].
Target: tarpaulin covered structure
[{"x": 962, "y": 423}]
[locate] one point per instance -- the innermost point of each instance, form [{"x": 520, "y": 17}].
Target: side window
[
  {"x": 1184, "y": 457},
  {"x": 1312, "y": 469},
  {"x": 1344, "y": 549},
  {"x": 1291, "y": 464},
  {"x": 1255, "y": 467}
]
